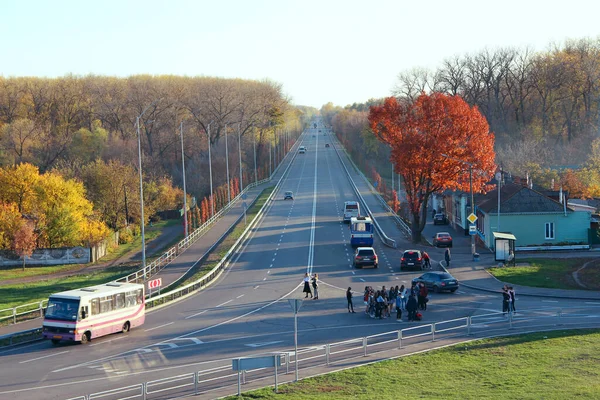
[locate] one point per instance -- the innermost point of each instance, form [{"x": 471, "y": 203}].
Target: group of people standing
[
  {"x": 308, "y": 281},
  {"x": 508, "y": 300},
  {"x": 381, "y": 303}
]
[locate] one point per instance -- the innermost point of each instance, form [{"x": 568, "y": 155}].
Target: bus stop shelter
[{"x": 504, "y": 245}]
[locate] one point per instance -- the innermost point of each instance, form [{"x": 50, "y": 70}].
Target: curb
[{"x": 521, "y": 293}]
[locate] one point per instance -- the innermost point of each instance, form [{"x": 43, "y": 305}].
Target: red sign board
[{"x": 156, "y": 283}]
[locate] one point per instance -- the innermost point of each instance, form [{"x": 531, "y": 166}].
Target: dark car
[
  {"x": 411, "y": 259},
  {"x": 440, "y": 219},
  {"x": 288, "y": 195},
  {"x": 365, "y": 256},
  {"x": 326, "y": 144},
  {"x": 438, "y": 281}
]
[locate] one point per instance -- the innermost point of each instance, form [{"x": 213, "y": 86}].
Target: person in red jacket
[{"x": 426, "y": 261}]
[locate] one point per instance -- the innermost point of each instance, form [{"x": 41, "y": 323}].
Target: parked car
[
  {"x": 440, "y": 219},
  {"x": 442, "y": 239},
  {"x": 438, "y": 281},
  {"x": 288, "y": 195},
  {"x": 365, "y": 256},
  {"x": 301, "y": 149},
  {"x": 326, "y": 144},
  {"x": 411, "y": 259}
]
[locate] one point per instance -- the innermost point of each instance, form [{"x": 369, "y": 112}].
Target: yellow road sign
[{"x": 472, "y": 218}]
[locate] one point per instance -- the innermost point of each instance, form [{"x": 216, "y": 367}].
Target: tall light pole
[
  {"x": 185, "y": 221},
  {"x": 227, "y": 167},
  {"x": 472, "y": 198},
  {"x": 212, "y": 201},
  {"x": 498, "y": 187},
  {"x": 142, "y": 222},
  {"x": 240, "y": 153},
  {"x": 255, "y": 174}
]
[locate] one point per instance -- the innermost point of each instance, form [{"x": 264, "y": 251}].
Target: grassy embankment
[
  {"x": 550, "y": 273},
  {"x": 545, "y": 365}
]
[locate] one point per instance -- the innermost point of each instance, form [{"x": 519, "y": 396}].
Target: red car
[{"x": 442, "y": 239}]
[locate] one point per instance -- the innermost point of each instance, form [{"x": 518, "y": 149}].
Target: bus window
[
  {"x": 119, "y": 301},
  {"x": 106, "y": 304},
  {"x": 131, "y": 298},
  {"x": 95, "y": 306}
]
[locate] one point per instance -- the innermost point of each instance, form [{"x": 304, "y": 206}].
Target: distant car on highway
[
  {"x": 438, "y": 281},
  {"x": 288, "y": 195},
  {"x": 365, "y": 256},
  {"x": 411, "y": 259},
  {"x": 301, "y": 149},
  {"x": 442, "y": 239},
  {"x": 440, "y": 219}
]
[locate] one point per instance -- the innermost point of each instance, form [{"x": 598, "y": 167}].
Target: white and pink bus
[{"x": 83, "y": 314}]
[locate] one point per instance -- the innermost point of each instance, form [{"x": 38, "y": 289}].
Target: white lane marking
[
  {"x": 227, "y": 302},
  {"x": 273, "y": 260},
  {"x": 107, "y": 341},
  {"x": 311, "y": 244},
  {"x": 549, "y": 301},
  {"x": 167, "y": 324},
  {"x": 362, "y": 280},
  {"x": 275, "y": 254},
  {"x": 353, "y": 273},
  {"x": 268, "y": 272},
  {"x": 262, "y": 344},
  {"x": 264, "y": 279},
  {"x": 39, "y": 358},
  {"x": 256, "y": 287},
  {"x": 271, "y": 266},
  {"x": 240, "y": 296}
]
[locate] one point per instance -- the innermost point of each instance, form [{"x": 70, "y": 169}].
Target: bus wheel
[
  {"x": 85, "y": 338},
  {"x": 55, "y": 341},
  {"x": 126, "y": 327}
]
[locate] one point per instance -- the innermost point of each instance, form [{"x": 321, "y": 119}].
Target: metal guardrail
[
  {"x": 384, "y": 238},
  {"x": 25, "y": 311},
  {"x": 169, "y": 255},
  {"x": 220, "y": 376},
  {"x": 12, "y": 339},
  {"x": 404, "y": 227}
]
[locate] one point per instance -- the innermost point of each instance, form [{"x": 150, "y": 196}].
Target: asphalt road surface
[{"x": 246, "y": 311}]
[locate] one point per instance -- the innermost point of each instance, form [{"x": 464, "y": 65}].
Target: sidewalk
[{"x": 474, "y": 276}]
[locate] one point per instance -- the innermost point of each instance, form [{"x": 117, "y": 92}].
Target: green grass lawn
[
  {"x": 222, "y": 249},
  {"x": 19, "y": 294},
  {"x": 547, "y": 365},
  {"x": 549, "y": 273}
]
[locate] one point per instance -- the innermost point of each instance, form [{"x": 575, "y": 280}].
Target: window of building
[{"x": 549, "y": 230}]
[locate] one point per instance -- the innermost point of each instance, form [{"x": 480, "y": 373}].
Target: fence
[{"x": 391, "y": 344}]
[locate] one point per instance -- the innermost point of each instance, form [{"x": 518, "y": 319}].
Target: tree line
[
  {"x": 543, "y": 107},
  {"x": 84, "y": 129}
]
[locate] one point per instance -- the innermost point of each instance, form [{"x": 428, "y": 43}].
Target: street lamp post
[
  {"x": 254, "y": 144},
  {"x": 185, "y": 221},
  {"x": 227, "y": 167},
  {"x": 240, "y": 153},
  {"x": 212, "y": 201},
  {"x": 472, "y": 198},
  {"x": 142, "y": 222}
]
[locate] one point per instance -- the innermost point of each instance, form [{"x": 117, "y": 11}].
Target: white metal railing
[
  {"x": 167, "y": 257},
  {"x": 384, "y": 238},
  {"x": 456, "y": 330}
]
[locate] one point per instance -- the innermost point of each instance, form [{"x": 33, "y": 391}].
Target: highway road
[{"x": 246, "y": 310}]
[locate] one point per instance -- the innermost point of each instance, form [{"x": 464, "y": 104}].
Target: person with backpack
[
  {"x": 447, "y": 257},
  {"x": 511, "y": 304},
  {"x": 505, "y": 300},
  {"x": 349, "y": 298},
  {"x": 315, "y": 285}
]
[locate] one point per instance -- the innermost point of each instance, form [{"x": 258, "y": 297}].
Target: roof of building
[{"x": 517, "y": 199}]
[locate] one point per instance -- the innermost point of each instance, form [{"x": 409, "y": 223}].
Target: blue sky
[{"x": 340, "y": 51}]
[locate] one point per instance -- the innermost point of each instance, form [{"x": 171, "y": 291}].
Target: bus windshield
[{"x": 62, "y": 309}]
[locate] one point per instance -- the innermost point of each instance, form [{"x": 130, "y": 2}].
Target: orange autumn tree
[{"x": 419, "y": 133}]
